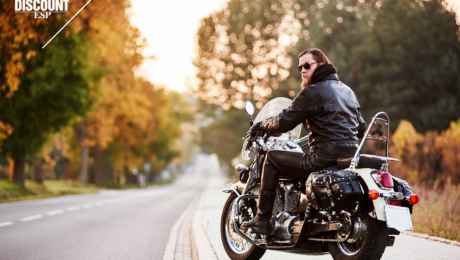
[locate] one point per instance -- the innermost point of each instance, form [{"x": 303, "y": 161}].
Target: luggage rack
[{"x": 378, "y": 129}]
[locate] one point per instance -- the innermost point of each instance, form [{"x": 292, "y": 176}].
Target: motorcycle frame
[{"x": 355, "y": 160}]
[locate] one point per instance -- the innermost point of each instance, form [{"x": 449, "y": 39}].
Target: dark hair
[{"x": 318, "y": 55}]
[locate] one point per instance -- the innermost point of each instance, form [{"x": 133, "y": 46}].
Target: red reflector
[
  {"x": 395, "y": 203},
  {"x": 414, "y": 199},
  {"x": 385, "y": 179},
  {"x": 374, "y": 194}
]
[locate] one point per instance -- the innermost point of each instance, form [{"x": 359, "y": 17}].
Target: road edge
[
  {"x": 199, "y": 242},
  {"x": 173, "y": 234},
  {"x": 437, "y": 239}
]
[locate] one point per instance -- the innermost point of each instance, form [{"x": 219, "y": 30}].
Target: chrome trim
[
  {"x": 236, "y": 243},
  {"x": 383, "y": 158},
  {"x": 303, "y": 139},
  {"x": 283, "y": 242},
  {"x": 231, "y": 188},
  {"x": 240, "y": 168},
  {"x": 394, "y": 196},
  {"x": 236, "y": 218},
  {"x": 377, "y": 181},
  {"x": 355, "y": 160}
]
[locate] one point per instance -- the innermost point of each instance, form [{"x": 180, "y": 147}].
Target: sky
[{"x": 170, "y": 28}]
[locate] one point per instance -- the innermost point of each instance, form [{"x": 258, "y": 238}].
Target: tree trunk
[
  {"x": 38, "y": 177},
  {"x": 84, "y": 164},
  {"x": 11, "y": 168},
  {"x": 126, "y": 172},
  {"x": 84, "y": 153},
  {"x": 18, "y": 174},
  {"x": 97, "y": 168}
]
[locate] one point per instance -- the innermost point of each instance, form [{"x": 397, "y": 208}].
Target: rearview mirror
[{"x": 249, "y": 107}]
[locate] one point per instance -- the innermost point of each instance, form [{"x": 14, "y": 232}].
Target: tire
[
  {"x": 236, "y": 247},
  {"x": 372, "y": 246}
]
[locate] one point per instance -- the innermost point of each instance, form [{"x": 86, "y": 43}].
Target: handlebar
[{"x": 303, "y": 139}]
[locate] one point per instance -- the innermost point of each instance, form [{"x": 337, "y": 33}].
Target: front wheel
[
  {"x": 367, "y": 239},
  {"x": 238, "y": 248}
]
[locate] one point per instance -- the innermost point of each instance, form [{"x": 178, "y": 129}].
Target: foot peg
[{"x": 259, "y": 242}]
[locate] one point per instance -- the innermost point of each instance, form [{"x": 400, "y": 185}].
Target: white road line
[
  {"x": 73, "y": 208},
  {"x": 55, "y": 212},
  {"x": 32, "y": 217},
  {"x": 87, "y": 206},
  {"x": 100, "y": 203},
  {"x": 4, "y": 224}
]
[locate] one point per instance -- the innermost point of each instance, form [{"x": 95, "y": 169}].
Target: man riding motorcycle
[{"x": 330, "y": 110}]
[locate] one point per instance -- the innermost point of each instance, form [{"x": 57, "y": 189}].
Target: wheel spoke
[{"x": 234, "y": 240}]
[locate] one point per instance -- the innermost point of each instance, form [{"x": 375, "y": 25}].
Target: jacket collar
[{"x": 333, "y": 76}]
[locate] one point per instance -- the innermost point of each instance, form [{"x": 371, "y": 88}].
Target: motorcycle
[{"x": 351, "y": 210}]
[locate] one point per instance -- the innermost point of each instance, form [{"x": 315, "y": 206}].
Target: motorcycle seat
[
  {"x": 344, "y": 162},
  {"x": 364, "y": 162}
]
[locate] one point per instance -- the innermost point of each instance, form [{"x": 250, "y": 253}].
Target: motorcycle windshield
[{"x": 273, "y": 108}]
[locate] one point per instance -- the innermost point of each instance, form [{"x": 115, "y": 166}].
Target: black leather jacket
[{"x": 332, "y": 112}]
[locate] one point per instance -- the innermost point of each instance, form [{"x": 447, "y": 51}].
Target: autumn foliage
[
  {"x": 430, "y": 162},
  {"x": 81, "y": 92},
  {"x": 433, "y": 157}
]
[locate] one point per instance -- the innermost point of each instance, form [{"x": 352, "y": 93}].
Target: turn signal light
[
  {"x": 374, "y": 194},
  {"x": 413, "y": 199},
  {"x": 239, "y": 168}
]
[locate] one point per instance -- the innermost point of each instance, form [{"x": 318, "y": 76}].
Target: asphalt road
[{"x": 130, "y": 224}]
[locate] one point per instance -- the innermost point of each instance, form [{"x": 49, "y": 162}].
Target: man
[{"x": 332, "y": 112}]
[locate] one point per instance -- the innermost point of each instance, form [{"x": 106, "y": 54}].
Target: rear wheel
[
  {"x": 367, "y": 239},
  {"x": 238, "y": 248}
]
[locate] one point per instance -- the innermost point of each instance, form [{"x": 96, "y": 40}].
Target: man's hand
[{"x": 255, "y": 129}]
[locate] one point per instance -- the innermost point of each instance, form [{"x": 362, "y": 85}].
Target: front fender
[{"x": 237, "y": 188}]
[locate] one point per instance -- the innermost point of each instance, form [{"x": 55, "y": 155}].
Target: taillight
[
  {"x": 395, "y": 203},
  {"x": 383, "y": 179},
  {"x": 374, "y": 194},
  {"x": 413, "y": 199}
]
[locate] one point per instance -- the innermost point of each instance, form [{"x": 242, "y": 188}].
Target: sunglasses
[{"x": 306, "y": 65}]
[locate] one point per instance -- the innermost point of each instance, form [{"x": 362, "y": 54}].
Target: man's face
[{"x": 306, "y": 74}]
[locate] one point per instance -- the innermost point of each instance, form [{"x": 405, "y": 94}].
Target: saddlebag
[{"x": 333, "y": 190}]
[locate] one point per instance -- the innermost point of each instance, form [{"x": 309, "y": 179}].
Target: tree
[
  {"x": 55, "y": 89},
  {"x": 377, "y": 47},
  {"x": 411, "y": 72},
  {"x": 242, "y": 52},
  {"x": 41, "y": 90}
]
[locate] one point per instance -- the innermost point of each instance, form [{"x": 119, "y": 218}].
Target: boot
[
  {"x": 261, "y": 223},
  {"x": 310, "y": 212}
]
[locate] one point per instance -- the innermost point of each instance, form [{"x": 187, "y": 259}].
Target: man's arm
[
  {"x": 362, "y": 125},
  {"x": 301, "y": 108}
]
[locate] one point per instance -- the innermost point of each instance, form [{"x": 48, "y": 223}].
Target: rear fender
[{"x": 379, "y": 204}]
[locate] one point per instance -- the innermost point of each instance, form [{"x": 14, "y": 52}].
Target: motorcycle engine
[{"x": 285, "y": 210}]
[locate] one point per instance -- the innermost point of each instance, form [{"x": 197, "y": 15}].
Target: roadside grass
[
  {"x": 438, "y": 212},
  {"x": 10, "y": 191}
]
